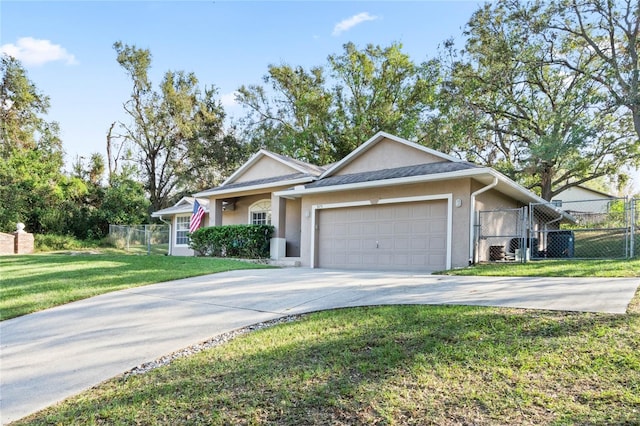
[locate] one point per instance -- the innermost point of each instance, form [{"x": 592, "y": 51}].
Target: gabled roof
[
  {"x": 603, "y": 194},
  {"x": 298, "y": 165},
  {"x": 306, "y": 173},
  {"x": 185, "y": 205},
  {"x": 378, "y": 137},
  {"x": 395, "y": 173}
]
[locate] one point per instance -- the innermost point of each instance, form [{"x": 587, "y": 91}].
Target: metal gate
[
  {"x": 501, "y": 235},
  {"x": 588, "y": 229}
]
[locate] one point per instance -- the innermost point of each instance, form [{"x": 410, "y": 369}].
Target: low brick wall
[
  {"x": 16, "y": 243},
  {"x": 24, "y": 243},
  {"x": 7, "y": 243}
]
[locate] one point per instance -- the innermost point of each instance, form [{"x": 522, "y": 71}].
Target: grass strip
[{"x": 554, "y": 268}]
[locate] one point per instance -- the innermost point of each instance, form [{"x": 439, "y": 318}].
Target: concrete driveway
[{"x": 51, "y": 355}]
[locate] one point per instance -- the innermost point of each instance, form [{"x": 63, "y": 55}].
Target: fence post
[
  {"x": 632, "y": 205},
  {"x": 524, "y": 221}
]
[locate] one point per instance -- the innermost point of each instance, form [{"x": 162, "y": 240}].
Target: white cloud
[
  {"x": 36, "y": 52},
  {"x": 347, "y": 24},
  {"x": 228, "y": 99}
]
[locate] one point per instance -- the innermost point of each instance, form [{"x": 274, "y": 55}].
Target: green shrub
[
  {"x": 50, "y": 242},
  {"x": 243, "y": 241}
]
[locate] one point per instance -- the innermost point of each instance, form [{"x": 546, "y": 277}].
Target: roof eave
[
  {"x": 222, "y": 191},
  {"x": 298, "y": 192}
]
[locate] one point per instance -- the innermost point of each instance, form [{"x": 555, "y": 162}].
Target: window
[
  {"x": 260, "y": 213},
  {"x": 182, "y": 228}
]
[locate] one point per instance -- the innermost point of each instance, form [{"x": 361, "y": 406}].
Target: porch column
[
  {"x": 278, "y": 220},
  {"x": 215, "y": 212}
]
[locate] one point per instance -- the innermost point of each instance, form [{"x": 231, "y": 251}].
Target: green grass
[
  {"x": 35, "y": 282},
  {"x": 608, "y": 244},
  {"x": 391, "y": 365},
  {"x": 396, "y": 365},
  {"x": 555, "y": 268}
]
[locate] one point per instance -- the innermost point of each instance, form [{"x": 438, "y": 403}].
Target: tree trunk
[{"x": 546, "y": 179}]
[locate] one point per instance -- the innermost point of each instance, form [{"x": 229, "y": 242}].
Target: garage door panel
[
  {"x": 403, "y": 236},
  {"x": 437, "y": 243},
  {"x": 402, "y": 244},
  {"x": 438, "y": 210},
  {"x": 402, "y": 228}
]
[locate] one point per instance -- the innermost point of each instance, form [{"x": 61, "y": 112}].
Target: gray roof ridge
[{"x": 395, "y": 172}]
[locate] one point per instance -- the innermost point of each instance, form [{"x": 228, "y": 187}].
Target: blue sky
[{"x": 67, "y": 46}]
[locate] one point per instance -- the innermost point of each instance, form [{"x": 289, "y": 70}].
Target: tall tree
[
  {"x": 22, "y": 107},
  {"x": 312, "y": 117},
  {"x": 505, "y": 104},
  {"x": 174, "y": 129},
  {"x": 296, "y": 118},
  {"x": 380, "y": 89},
  {"x": 32, "y": 184},
  {"x": 603, "y": 37}
]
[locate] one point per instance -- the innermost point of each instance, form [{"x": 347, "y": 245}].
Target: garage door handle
[{"x": 377, "y": 245}]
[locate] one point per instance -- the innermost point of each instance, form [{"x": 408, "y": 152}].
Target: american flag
[{"x": 196, "y": 217}]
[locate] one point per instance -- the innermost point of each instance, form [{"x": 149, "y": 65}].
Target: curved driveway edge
[{"x": 51, "y": 355}]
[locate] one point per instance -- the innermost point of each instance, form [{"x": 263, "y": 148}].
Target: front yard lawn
[
  {"x": 36, "y": 282},
  {"x": 394, "y": 365}
]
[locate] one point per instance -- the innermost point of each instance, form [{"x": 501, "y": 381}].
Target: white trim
[
  {"x": 268, "y": 212},
  {"x": 373, "y": 141},
  {"x": 472, "y": 217},
  {"x": 386, "y": 182},
  {"x": 175, "y": 235},
  {"x": 222, "y": 191},
  {"x": 526, "y": 195},
  {"x": 448, "y": 197}
]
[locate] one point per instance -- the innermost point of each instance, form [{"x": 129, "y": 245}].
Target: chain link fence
[
  {"x": 500, "y": 234},
  {"x": 588, "y": 229},
  {"x": 142, "y": 239}
]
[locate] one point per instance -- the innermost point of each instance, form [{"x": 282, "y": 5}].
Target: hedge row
[{"x": 243, "y": 241}]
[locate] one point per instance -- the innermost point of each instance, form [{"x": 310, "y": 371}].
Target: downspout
[
  {"x": 168, "y": 223},
  {"x": 472, "y": 218}
]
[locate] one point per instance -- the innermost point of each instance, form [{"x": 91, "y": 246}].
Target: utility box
[{"x": 560, "y": 244}]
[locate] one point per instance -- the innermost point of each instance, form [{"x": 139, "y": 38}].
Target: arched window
[{"x": 260, "y": 213}]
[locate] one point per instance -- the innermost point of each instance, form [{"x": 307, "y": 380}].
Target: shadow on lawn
[{"x": 411, "y": 364}]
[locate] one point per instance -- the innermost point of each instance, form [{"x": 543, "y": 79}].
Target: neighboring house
[
  {"x": 583, "y": 199},
  {"x": 391, "y": 204},
  {"x": 589, "y": 207},
  {"x": 178, "y": 217}
]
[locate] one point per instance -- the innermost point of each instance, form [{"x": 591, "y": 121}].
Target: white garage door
[{"x": 404, "y": 236}]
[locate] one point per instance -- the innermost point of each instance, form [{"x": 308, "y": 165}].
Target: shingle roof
[
  {"x": 185, "y": 205},
  {"x": 263, "y": 181},
  {"x": 399, "y": 172}
]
